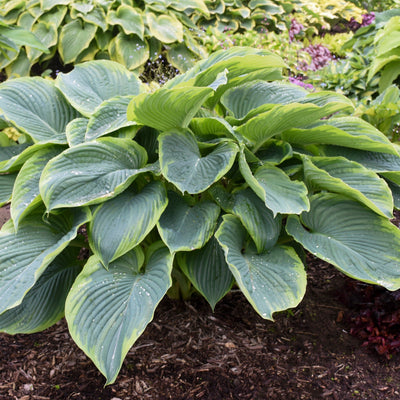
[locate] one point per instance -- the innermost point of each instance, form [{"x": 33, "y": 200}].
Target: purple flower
[
  {"x": 299, "y": 82},
  {"x": 368, "y": 19},
  {"x": 320, "y": 55},
  {"x": 295, "y": 29}
]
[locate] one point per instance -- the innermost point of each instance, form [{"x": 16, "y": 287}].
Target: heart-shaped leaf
[
  {"x": 89, "y": 84},
  {"x": 166, "y": 28},
  {"x": 271, "y": 281},
  {"x": 129, "y": 50},
  {"x": 183, "y": 165},
  {"x": 129, "y": 18},
  {"x": 185, "y": 228},
  {"x": 75, "y": 36}
]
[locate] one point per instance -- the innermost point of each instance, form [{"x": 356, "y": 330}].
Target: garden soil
[{"x": 190, "y": 352}]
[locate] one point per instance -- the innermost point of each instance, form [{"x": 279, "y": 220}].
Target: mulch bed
[{"x": 189, "y": 352}]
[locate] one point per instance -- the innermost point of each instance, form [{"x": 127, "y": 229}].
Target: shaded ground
[{"x": 188, "y": 352}]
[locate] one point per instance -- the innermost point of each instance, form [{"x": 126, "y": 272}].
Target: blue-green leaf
[
  {"x": 107, "y": 310},
  {"x": 122, "y": 223}
]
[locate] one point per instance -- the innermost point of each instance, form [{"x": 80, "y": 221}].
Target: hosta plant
[
  {"x": 130, "y": 32},
  {"x": 219, "y": 178}
]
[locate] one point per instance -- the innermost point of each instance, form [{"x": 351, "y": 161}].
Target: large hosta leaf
[
  {"x": 75, "y": 37},
  {"x": 25, "y": 254},
  {"x": 91, "y": 83},
  {"x": 166, "y": 28},
  {"x": 271, "y": 281},
  {"x": 378, "y": 162},
  {"x": 238, "y": 61},
  {"x": 258, "y": 220},
  {"x": 26, "y": 194},
  {"x": 129, "y": 50},
  {"x": 183, "y": 164},
  {"x": 242, "y": 99},
  {"x": 107, "y": 310},
  {"x": 185, "y": 228},
  {"x": 122, "y": 223},
  {"x": 91, "y": 172},
  {"x": 282, "y": 117},
  {"x": 109, "y": 117},
  {"x": 347, "y": 132},
  {"x": 348, "y": 235},
  {"x": 36, "y": 106},
  {"x": 208, "y": 271},
  {"x": 275, "y": 188},
  {"x": 44, "y": 304},
  {"x": 168, "y": 108},
  {"x": 129, "y": 18},
  {"x": 336, "y": 174}
]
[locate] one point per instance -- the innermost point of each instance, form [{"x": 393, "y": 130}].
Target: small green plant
[
  {"x": 383, "y": 112},
  {"x": 386, "y": 58},
  {"x": 223, "y": 175}
]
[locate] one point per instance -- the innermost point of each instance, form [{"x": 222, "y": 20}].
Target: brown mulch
[{"x": 189, "y": 352}]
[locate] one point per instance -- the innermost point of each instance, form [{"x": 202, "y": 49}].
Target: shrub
[
  {"x": 221, "y": 176},
  {"x": 130, "y": 32}
]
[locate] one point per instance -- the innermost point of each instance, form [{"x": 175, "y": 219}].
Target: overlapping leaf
[
  {"x": 44, "y": 304},
  {"x": 109, "y": 117},
  {"x": 122, "y": 223},
  {"x": 271, "y": 281},
  {"x": 25, "y": 254},
  {"x": 258, "y": 220},
  {"x": 280, "y": 193},
  {"x": 168, "y": 108},
  {"x": 91, "y": 172},
  {"x": 26, "y": 193},
  {"x": 36, "y": 106},
  {"x": 107, "y": 310},
  {"x": 347, "y": 132},
  {"x": 208, "y": 271},
  {"x": 183, "y": 227},
  {"x": 184, "y": 166},
  {"x": 348, "y": 235},
  {"x": 336, "y": 174},
  {"x": 90, "y": 84}
]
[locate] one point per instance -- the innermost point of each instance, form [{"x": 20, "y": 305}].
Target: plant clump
[{"x": 172, "y": 184}]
